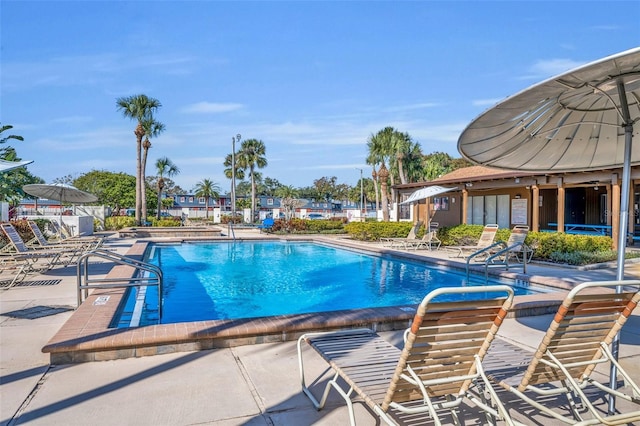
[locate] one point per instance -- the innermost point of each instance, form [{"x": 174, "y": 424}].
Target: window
[
  {"x": 441, "y": 203},
  {"x": 201, "y": 200},
  {"x": 182, "y": 199},
  {"x": 191, "y": 199},
  {"x": 269, "y": 201}
]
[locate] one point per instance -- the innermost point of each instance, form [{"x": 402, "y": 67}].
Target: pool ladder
[{"x": 146, "y": 274}]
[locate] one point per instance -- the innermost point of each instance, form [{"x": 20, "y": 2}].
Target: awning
[{"x": 427, "y": 192}]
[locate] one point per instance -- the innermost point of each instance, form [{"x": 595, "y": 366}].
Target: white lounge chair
[
  {"x": 576, "y": 342},
  {"x": 486, "y": 239},
  {"x": 442, "y": 356}
]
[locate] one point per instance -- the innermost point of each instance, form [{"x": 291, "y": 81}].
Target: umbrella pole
[{"x": 624, "y": 225}]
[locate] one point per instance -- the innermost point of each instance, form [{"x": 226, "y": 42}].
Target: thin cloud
[
  {"x": 546, "y": 68},
  {"x": 211, "y": 108},
  {"x": 485, "y": 102}
]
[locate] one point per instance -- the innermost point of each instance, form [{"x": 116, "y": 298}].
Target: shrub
[
  {"x": 544, "y": 244},
  {"x": 115, "y": 223},
  {"x": 373, "y": 231},
  {"x": 461, "y": 235},
  {"x": 306, "y": 226},
  {"x": 166, "y": 222}
]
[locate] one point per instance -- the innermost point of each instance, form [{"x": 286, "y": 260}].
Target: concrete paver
[{"x": 247, "y": 385}]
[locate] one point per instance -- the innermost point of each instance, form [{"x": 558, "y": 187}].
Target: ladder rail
[{"x": 85, "y": 283}]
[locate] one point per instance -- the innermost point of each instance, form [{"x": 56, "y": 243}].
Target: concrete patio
[{"x": 243, "y": 385}]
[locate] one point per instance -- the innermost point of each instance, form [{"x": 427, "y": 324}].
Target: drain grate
[
  {"x": 37, "y": 283},
  {"x": 39, "y": 311}
]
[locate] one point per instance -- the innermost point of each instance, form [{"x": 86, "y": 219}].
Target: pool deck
[{"x": 254, "y": 384}]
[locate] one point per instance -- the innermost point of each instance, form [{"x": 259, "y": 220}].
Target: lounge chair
[
  {"x": 62, "y": 233},
  {"x": 55, "y": 256},
  {"x": 486, "y": 239},
  {"x": 505, "y": 253},
  {"x": 442, "y": 356},
  {"x": 411, "y": 237},
  {"x": 576, "y": 342},
  {"x": 22, "y": 261},
  {"x": 429, "y": 240},
  {"x": 79, "y": 245}
]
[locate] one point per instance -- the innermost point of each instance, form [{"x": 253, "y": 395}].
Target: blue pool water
[{"x": 227, "y": 280}]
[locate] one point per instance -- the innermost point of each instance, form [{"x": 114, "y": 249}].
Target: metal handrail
[
  {"x": 85, "y": 283},
  {"x": 493, "y": 255}
]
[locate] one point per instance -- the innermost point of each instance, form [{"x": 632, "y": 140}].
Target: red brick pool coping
[{"x": 87, "y": 335}]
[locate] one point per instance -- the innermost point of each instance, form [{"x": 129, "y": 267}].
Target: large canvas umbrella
[
  {"x": 66, "y": 194},
  {"x": 580, "y": 120},
  {"x": 60, "y": 192}
]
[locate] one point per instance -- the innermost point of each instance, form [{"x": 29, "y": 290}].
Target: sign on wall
[{"x": 519, "y": 211}]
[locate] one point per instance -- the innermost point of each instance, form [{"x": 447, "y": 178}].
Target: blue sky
[{"x": 311, "y": 79}]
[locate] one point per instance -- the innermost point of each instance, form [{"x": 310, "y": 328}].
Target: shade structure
[
  {"x": 572, "y": 122},
  {"x": 578, "y": 121},
  {"x": 5, "y": 166},
  {"x": 429, "y": 191},
  {"x": 60, "y": 192}
]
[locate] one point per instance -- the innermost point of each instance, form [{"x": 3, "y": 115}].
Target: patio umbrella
[
  {"x": 5, "y": 166},
  {"x": 60, "y": 192},
  {"x": 427, "y": 192},
  {"x": 580, "y": 120}
]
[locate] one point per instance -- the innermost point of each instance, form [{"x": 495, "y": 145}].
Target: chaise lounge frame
[{"x": 440, "y": 360}]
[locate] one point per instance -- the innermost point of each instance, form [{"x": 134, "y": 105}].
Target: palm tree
[
  {"x": 139, "y": 108},
  {"x": 164, "y": 167},
  {"x": 207, "y": 188},
  {"x": 250, "y": 156},
  {"x": 152, "y": 128}
]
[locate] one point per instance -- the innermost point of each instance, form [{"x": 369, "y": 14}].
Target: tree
[
  {"x": 227, "y": 172},
  {"x": 207, "y": 188},
  {"x": 271, "y": 186},
  {"x": 289, "y": 200},
  {"x": 164, "y": 167},
  {"x": 12, "y": 181},
  {"x": 4, "y": 151},
  {"x": 437, "y": 164},
  {"x": 152, "y": 128},
  {"x": 251, "y": 156},
  {"x": 170, "y": 187},
  {"x": 139, "y": 108},
  {"x": 115, "y": 190}
]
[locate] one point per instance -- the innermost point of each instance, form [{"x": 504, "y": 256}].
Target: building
[{"x": 578, "y": 202}]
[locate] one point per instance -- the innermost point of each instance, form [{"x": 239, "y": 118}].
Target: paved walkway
[{"x": 246, "y": 385}]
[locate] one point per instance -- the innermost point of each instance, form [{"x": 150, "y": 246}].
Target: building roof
[{"x": 467, "y": 174}]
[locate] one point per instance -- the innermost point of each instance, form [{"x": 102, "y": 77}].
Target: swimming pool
[{"x": 234, "y": 280}]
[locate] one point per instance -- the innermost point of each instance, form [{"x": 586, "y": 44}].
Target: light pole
[
  {"x": 362, "y": 196},
  {"x": 233, "y": 176}
]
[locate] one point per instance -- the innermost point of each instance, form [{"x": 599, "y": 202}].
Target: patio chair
[
  {"x": 54, "y": 256},
  {"x": 23, "y": 261},
  {"x": 442, "y": 356},
  {"x": 576, "y": 342},
  {"x": 412, "y": 236},
  {"x": 429, "y": 240},
  {"x": 486, "y": 239},
  {"x": 79, "y": 245},
  {"x": 266, "y": 224},
  {"x": 501, "y": 253}
]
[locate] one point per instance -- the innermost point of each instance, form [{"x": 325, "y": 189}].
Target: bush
[
  {"x": 305, "y": 226},
  {"x": 166, "y": 222},
  {"x": 461, "y": 235},
  {"x": 115, "y": 223},
  {"x": 544, "y": 244},
  {"x": 373, "y": 231}
]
